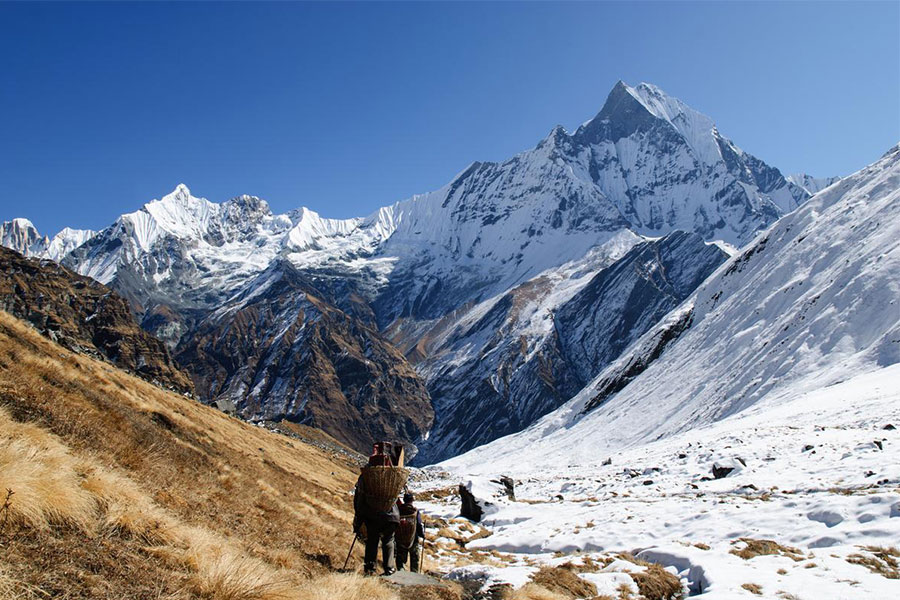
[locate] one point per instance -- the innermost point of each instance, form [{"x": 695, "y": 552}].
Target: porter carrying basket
[{"x": 382, "y": 485}]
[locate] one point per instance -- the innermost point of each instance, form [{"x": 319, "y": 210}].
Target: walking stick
[
  {"x": 346, "y": 560},
  {"x": 422, "y": 558}
]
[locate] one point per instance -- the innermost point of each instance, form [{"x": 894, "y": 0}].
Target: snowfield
[{"x": 819, "y": 473}]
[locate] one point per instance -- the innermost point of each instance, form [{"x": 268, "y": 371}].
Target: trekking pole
[
  {"x": 346, "y": 560},
  {"x": 422, "y": 558}
]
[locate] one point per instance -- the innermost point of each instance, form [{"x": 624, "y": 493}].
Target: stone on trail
[{"x": 408, "y": 578}]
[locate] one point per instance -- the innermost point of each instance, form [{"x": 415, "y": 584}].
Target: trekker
[
  {"x": 410, "y": 531},
  {"x": 380, "y": 525}
]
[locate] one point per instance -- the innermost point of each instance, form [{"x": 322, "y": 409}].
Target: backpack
[{"x": 406, "y": 532}]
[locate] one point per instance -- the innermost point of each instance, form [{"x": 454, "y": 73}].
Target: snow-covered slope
[
  {"x": 65, "y": 241},
  {"x": 811, "y": 302},
  {"x": 817, "y": 476}
]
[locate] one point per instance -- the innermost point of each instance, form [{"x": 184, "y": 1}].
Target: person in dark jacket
[
  {"x": 380, "y": 526},
  {"x": 411, "y": 530}
]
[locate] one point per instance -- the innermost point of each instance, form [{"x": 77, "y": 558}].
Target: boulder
[{"x": 470, "y": 508}]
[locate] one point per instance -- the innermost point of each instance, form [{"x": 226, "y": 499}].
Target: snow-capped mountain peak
[
  {"x": 67, "y": 240},
  {"x": 23, "y": 237},
  {"x": 629, "y": 110},
  {"x": 178, "y": 213}
]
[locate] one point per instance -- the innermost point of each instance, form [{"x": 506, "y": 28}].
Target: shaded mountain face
[
  {"x": 279, "y": 351},
  {"x": 85, "y": 316},
  {"x": 813, "y": 302},
  {"x": 539, "y": 344},
  {"x": 452, "y": 277}
]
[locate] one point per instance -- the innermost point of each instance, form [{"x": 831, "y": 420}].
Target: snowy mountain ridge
[
  {"x": 811, "y": 302},
  {"x": 22, "y": 236}
]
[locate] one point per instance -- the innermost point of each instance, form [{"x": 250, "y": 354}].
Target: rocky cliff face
[
  {"x": 84, "y": 316},
  {"x": 278, "y": 350}
]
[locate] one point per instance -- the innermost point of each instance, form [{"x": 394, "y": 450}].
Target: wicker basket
[{"x": 382, "y": 486}]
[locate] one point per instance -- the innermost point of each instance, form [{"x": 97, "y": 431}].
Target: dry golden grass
[
  {"x": 534, "y": 591},
  {"x": 882, "y": 561},
  {"x": 753, "y": 588},
  {"x": 654, "y": 582},
  {"x": 123, "y": 490},
  {"x": 753, "y": 548},
  {"x": 564, "y": 581}
]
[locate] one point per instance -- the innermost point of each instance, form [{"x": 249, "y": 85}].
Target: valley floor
[{"x": 817, "y": 476}]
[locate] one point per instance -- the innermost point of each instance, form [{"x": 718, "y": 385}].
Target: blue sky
[{"x": 346, "y": 107}]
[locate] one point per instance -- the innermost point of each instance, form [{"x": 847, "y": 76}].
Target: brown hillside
[
  {"x": 122, "y": 490},
  {"x": 286, "y": 354},
  {"x": 84, "y": 315}
]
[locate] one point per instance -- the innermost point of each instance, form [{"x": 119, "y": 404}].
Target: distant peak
[
  {"x": 23, "y": 223},
  {"x": 628, "y": 110}
]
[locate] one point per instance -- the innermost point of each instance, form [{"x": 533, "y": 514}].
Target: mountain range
[{"x": 456, "y": 316}]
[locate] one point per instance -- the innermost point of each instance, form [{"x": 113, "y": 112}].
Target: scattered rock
[
  {"x": 878, "y": 443},
  {"x": 682, "y": 455},
  {"x": 740, "y": 460},
  {"x": 470, "y": 508},
  {"x": 606, "y": 462},
  {"x": 889, "y": 427},
  {"x": 720, "y": 471},
  {"x": 808, "y": 447},
  {"x": 509, "y": 485},
  {"x": 648, "y": 482},
  {"x": 869, "y": 473}
]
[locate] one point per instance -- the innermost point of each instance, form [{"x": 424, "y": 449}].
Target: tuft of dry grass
[
  {"x": 564, "y": 580},
  {"x": 534, "y": 591},
  {"x": 882, "y": 561},
  {"x": 44, "y": 478},
  {"x": 231, "y": 577},
  {"x": 655, "y": 583},
  {"x": 753, "y": 588},
  {"x": 345, "y": 586},
  {"x": 13, "y": 589},
  {"x": 625, "y": 591},
  {"x": 753, "y": 548}
]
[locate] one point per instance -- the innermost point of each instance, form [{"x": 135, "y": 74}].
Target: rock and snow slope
[
  {"x": 516, "y": 357},
  {"x": 811, "y": 302},
  {"x": 765, "y": 407}
]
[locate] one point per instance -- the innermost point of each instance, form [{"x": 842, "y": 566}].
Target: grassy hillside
[{"x": 117, "y": 489}]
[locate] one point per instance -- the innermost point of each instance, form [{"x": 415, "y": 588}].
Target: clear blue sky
[{"x": 346, "y": 107}]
